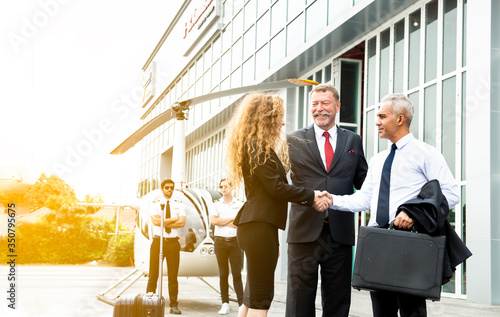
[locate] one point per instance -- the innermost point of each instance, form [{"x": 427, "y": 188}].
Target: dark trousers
[
  {"x": 304, "y": 259},
  {"x": 227, "y": 250},
  {"x": 171, "y": 252},
  {"x": 386, "y": 304}
]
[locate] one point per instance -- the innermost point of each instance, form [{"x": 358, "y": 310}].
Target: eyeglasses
[{"x": 168, "y": 187}]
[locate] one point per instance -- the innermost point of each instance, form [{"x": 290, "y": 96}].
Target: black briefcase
[{"x": 399, "y": 261}]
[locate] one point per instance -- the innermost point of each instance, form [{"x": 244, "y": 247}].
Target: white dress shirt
[
  {"x": 224, "y": 210},
  {"x": 415, "y": 163},
  {"x": 177, "y": 209},
  {"x": 320, "y": 139}
]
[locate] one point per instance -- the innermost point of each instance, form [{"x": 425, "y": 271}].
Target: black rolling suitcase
[{"x": 149, "y": 304}]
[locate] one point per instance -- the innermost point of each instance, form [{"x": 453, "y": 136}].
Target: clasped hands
[{"x": 322, "y": 200}]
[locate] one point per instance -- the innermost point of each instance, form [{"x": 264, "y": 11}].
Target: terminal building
[{"x": 444, "y": 54}]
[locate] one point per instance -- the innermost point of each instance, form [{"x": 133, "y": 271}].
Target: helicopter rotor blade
[{"x": 185, "y": 104}]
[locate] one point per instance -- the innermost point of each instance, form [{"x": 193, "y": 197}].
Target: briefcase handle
[{"x": 413, "y": 228}]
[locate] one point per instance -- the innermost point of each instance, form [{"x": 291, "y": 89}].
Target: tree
[
  {"x": 51, "y": 192},
  {"x": 93, "y": 199}
]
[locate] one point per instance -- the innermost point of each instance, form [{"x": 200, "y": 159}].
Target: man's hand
[
  {"x": 322, "y": 200},
  {"x": 403, "y": 221}
]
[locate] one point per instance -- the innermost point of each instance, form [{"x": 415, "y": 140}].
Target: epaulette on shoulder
[
  {"x": 216, "y": 201},
  {"x": 156, "y": 201},
  {"x": 178, "y": 201}
]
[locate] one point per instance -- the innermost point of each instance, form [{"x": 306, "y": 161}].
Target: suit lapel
[
  {"x": 339, "y": 149},
  {"x": 313, "y": 145}
]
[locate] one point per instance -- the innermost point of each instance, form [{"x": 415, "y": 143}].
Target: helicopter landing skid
[{"x": 217, "y": 290}]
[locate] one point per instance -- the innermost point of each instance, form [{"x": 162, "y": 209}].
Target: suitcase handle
[{"x": 413, "y": 228}]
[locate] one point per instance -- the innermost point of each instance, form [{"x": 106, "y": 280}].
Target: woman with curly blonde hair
[{"x": 257, "y": 152}]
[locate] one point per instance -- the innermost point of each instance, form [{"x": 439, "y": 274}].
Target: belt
[
  {"x": 326, "y": 220},
  {"x": 228, "y": 239}
]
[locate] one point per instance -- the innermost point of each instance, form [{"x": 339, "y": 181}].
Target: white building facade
[{"x": 444, "y": 54}]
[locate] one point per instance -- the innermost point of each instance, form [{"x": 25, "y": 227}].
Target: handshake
[{"x": 322, "y": 200}]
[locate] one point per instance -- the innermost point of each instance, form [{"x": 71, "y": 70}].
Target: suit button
[{"x": 328, "y": 177}]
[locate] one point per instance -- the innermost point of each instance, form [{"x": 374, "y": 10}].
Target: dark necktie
[
  {"x": 167, "y": 215},
  {"x": 385, "y": 185},
  {"x": 328, "y": 150}
]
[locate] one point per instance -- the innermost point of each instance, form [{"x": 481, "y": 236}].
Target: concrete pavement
[{"x": 71, "y": 291}]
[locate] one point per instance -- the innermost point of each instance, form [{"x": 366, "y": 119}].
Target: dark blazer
[
  {"x": 347, "y": 171},
  {"x": 268, "y": 193},
  {"x": 429, "y": 210}
]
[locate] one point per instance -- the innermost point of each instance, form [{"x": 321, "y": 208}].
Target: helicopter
[{"x": 198, "y": 260}]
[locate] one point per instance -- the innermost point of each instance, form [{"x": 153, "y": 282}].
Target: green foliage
[
  {"x": 50, "y": 191},
  {"x": 93, "y": 199},
  {"x": 120, "y": 251},
  {"x": 64, "y": 237}
]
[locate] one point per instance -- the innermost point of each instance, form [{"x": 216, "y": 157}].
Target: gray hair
[
  {"x": 325, "y": 88},
  {"x": 400, "y": 105}
]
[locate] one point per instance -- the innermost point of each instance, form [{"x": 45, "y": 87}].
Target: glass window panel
[
  {"x": 316, "y": 18},
  {"x": 216, "y": 74},
  {"x": 207, "y": 56},
  {"x": 415, "y": 100},
  {"x": 399, "y": 47},
  {"x": 370, "y": 134},
  {"x": 385, "y": 39},
  {"x": 192, "y": 74},
  {"x": 216, "y": 49},
  {"x": 250, "y": 10},
  {"x": 430, "y": 128},
  {"x": 238, "y": 26},
  {"x": 227, "y": 11},
  {"x": 248, "y": 71},
  {"x": 464, "y": 35},
  {"x": 226, "y": 64},
  {"x": 294, "y": 8},
  {"x": 238, "y": 4},
  {"x": 262, "y": 60},
  {"x": 328, "y": 73},
  {"x": 349, "y": 91},
  {"x": 319, "y": 76},
  {"x": 449, "y": 122},
  {"x": 262, "y": 6},
  {"x": 227, "y": 37},
  {"x": 236, "y": 78},
  {"x": 463, "y": 231},
  {"x": 199, "y": 67},
  {"x": 336, "y": 8},
  {"x": 249, "y": 43},
  {"x": 414, "y": 50},
  {"x": 464, "y": 131},
  {"x": 372, "y": 53},
  {"x": 300, "y": 107},
  {"x": 237, "y": 53},
  {"x": 295, "y": 34},
  {"x": 278, "y": 48},
  {"x": 431, "y": 31},
  {"x": 263, "y": 29},
  {"x": 278, "y": 18},
  {"x": 207, "y": 81},
  {"x": 450, "y": 36}
]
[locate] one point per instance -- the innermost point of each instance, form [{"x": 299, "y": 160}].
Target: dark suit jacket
[
  {"x": 268, "y": 193},
  {"x": 348, "y": 170},
  {"x": 429, "y": 210}
]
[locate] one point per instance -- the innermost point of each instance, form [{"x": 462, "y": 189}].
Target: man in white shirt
[
  {"x": 174, "y": 218},
  {"x": 410, "y": 166},
  {"x": 226, "y": 244}
]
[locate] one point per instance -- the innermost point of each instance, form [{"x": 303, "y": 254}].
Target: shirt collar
[
  {"x": 405, "y": 140},
  {"x": 319, "y": 132}
]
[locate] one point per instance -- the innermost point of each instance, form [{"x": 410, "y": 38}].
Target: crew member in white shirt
[
  {"x": 414, "y": 164},
  {"x": 226, "y": 244},
  {"x": 171, "y": 246}
]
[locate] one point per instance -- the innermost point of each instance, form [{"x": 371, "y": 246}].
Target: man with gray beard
[{"x": 325, "y": 157}]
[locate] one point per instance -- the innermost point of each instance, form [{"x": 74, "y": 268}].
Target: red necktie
[{"x": 328, "y": 150}]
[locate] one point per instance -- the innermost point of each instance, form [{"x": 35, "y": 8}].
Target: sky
[{"x": 71, "y": 89}]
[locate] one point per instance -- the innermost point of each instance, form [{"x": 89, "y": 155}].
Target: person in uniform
[
  {"x": 174, "y": 217},
  {"x": 226, "y": 244}
]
